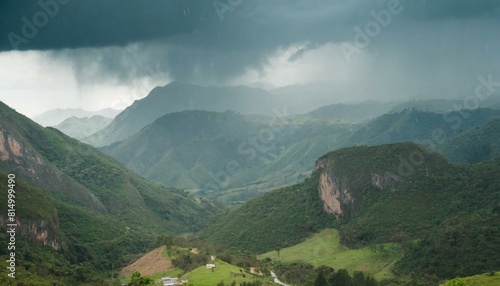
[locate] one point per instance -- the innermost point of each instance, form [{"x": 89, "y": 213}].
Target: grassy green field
[
  {"x": 225, "y": 272},
  {"x": 324, "y": 248},
  {"x": 483, "y": 280}
]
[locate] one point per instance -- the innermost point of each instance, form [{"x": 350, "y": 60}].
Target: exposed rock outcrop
[
  {"x": 14, "y": 146},
  {"x": 335, "y": 198},
  {"x": 8, "y": 146},
  {"x": 40, "y": 231},
  {"x": 11, "y": 149},
  {"x": 338, "y": 195},
  {"x": 321, "y": 163},
  {"x": 4, "y": 153}
]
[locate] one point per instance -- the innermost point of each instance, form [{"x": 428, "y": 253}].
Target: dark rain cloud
[
  {"x": 216, "y": 40},
  {"x": 92, "y": 23}
]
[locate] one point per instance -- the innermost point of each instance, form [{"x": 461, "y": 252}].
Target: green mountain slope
[
  {"x": 419, "y": 126},
  {"x": 177, "y": 97},
  {"x": 468, "y": 242},
  {"x": 324, "y": 248},
  {"x": 100, "y": 210},
  {"x": 429, "y": 105},
  {"x": 64, "y": 161},
  {"x": 389, "y": 193},
  {"x": 303, "y": 210},
  {"x": 486, "y": 279},
  {"x": 225, "y": 273},
  {"x": 182, "y": 149},
  {"x": 444, "y": 106},
  {"x": 349, "y": 112},
  {"x": 297, "y": 149},
  {"x": 478, "y": 144},
  {"x": 226, "y": 155},
  {"x": 82, "y": 127},
  {"x": 274, "y": 220}
]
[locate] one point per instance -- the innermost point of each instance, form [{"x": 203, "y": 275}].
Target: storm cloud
[{"x": 427, "y": 48}]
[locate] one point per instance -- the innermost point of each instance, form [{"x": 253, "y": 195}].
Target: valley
[{"x": 231, "y": 157}]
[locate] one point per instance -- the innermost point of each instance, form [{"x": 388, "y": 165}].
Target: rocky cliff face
[
  {"x": 14, "y": 155},
  {"x": 12, "y": 150},
  {"x": 40, "y": 231},
  {"x": 17, "y": 155},
  {"x": 337, "y": 196}
]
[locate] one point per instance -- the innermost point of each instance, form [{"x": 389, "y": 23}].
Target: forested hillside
[
  {"x": 85, "y": 205},
  {"x": 390, "y": 193}
]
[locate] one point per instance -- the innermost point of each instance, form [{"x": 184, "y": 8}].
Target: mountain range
[
  {"x": 257, "y": 178},
  {"x": 234, "y": 157},
  {"x": 177, "y": 97},
  {"x": 225, "y": 155},
  {"x": 475, "y": 145},
  {"x": 423, "y": 127}
]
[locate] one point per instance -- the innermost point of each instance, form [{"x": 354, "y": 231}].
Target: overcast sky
[{"x": 106, "y": 53}]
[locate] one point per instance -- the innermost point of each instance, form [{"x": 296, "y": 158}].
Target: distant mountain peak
[{"x": 57, "y": 116}]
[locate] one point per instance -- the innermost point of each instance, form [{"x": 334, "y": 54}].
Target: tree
[
  {"x": 371, "y": 281},
  {"x": 326, "y": 270},
  {"x": 164, "y": 240},
  {"x": 320, "y": 280},
  {"x": 138, "y": 280},
  {"x": 342, "y": 278},
  {"x": 358, "y": 278},
  {"x": 456, "y": 282}
]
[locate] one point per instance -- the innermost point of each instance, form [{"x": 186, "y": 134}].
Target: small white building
[
  {"x": 168, "y": 281},
  {"x": 210, "y": 266}
]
